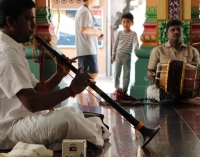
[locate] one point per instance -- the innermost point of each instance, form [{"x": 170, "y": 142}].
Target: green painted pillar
[
  {"x": 141, "y": 80},
  {"x": 45, "y": 29},
  {"x": 34, "y": 67},
  {"x": 149, "y": 40}
]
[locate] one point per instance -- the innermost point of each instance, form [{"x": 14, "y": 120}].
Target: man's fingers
[
  {"x": 90, "y": 83},
  {"x": 57, "y": 60},
  {"x": 74, "y": 59},
  {"x": 78, "y": 72}
]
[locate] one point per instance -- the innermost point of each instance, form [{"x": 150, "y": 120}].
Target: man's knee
[{"x": 153, "y": 92}]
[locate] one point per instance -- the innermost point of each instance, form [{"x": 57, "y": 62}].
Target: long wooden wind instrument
[{"x": 147, "y": 133}]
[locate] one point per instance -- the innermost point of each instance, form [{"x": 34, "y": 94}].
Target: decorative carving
[
  {"x": 45, "y": 28},
  {"x": 71, "y": 1},
  {"x": 149, "y": 35},
  {"x": 63, "y": 1},
  {"x": 43, "y": 14},
  {"x": 195, "y": 14},
  {"x": 151, "y": 13},
  {"x": 56, "y": 1},
  {"x": 174, "y": 9},
  {"x": 148, "y": 38},
  {"x": 195, "y": 32},
  {"x": 78, "y": 1}
]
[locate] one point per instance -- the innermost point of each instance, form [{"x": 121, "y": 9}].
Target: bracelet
[{"x": 72, "y": 92}]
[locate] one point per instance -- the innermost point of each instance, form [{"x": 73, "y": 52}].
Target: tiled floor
[{"x": 178, "y": 137}]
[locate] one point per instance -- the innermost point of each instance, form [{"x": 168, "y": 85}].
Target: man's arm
[
  {"x": 151, "y": 75},
  {"x": 90, "y": 31},
  {"x": 115, "y": 47},
  {"x": 153, "y": 61},
  {"x": 50, "y": 84},
  {"x": 196, "y": 58},
  {"x": 35, "y": 101},
  {"x": 54, "y": 80},
  {"x": 38, "y": 101},
  {"x": 135, "y": 42}
]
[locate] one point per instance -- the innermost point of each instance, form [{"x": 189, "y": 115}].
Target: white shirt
[
  {"x": 85, "y": 44},
  {"x": 14, "y": 76}
]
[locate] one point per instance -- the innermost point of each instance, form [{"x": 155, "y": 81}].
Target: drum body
[{"x": 179, "y": 78}]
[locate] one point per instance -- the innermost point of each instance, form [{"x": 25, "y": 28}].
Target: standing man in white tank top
[{"x": 87, "y": 37}]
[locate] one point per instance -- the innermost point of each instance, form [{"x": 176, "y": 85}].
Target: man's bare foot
[{"x": 192, "y": 101}]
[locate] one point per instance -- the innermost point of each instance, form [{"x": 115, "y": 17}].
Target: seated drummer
[{"x": 173, "y": 49}]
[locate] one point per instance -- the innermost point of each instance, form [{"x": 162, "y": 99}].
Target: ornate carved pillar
[{"x": 45, "y": 29}]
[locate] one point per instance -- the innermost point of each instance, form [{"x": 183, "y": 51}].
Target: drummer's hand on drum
[
  {"x": 151, "y": 75},
  {"x": 80, "y": 81}
]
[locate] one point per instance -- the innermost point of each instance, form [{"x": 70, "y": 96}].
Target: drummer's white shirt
[{"x": 14, "y": 76}]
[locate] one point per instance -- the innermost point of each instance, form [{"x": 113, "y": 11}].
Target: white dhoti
[
  {"x": 51, "y": 128},
  {"x": 153, "y": 93}
]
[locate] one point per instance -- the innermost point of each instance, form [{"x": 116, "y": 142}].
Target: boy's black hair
[
  {"x": 127, "y": 16},
  {"x": 13, "y": 8},
  {"x": 173, "y": 23}
]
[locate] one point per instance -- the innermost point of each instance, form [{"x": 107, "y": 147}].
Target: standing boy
[{"x": 125, "y": 41}]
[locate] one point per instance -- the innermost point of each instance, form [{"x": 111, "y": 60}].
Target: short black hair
[
  {"x": 13, "y": 8},
  {"x": 173, "y": 23},
  {"x": 127, "y": 16}
]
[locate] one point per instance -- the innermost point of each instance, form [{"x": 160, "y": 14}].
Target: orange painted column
[
  {"x": 149, "y": 35},
  {"x": 195, "y": 3},
  {"x": 151, "y": 3},
  {"x": 45, "y": 28}
]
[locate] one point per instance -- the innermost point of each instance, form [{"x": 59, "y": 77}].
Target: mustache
[{"x": 176, "y": 35}]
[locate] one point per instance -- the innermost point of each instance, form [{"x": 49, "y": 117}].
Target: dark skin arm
[
  {"x": 151, "y": 75},
  {"x": 35, "y": 101},
  {"x": 55, "y": 79}
]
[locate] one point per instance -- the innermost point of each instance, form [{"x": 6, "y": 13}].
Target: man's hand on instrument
[
  {"x": 61, "y": 69},
  {"x": 151, "y": 75},
  {"x": 80, "y": 81}
]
